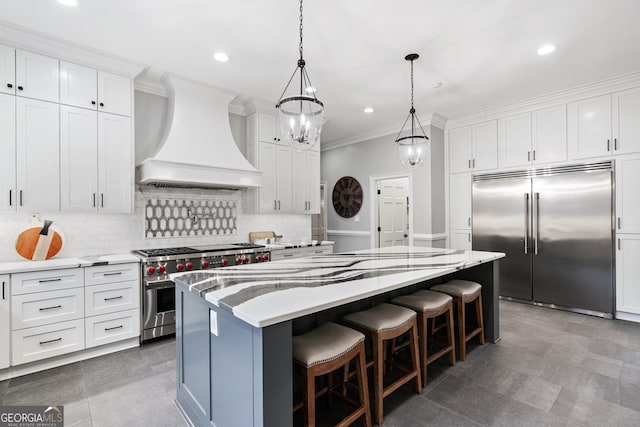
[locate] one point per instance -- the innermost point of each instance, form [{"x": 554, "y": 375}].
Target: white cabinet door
[
  {"x": 627, "y": 194},
  {"x": 114, "y": 94},
  {"x": 460, "y": 201},
  {"x": 267, "y": 128},
  {"x": 460, "y": 149},
  {"x": 626, "y": 121},
  {"x": 78, "y": 159},
  {"x": 299, "y": 181},
  {"x": 38, "y": 155},
  {"x": 7, "y": 70},
  {"x": 485, "y": 145},
  {"x": 42, "y": 342},
  {"x": 37, "y": 76},
  {"x": 115, "y": 164},
  {"x": 628, "y": 273},
  {"x": 284, "y": 176},
  {"x": 514, "y": 140},
  {"x": 589, "y": 127},
  {"x": 549, "y": 135},
  {"x": 313, "y": 182},
  {"x": 267, "y": 158},
  {"x": 112, "y": 327},
  {"x": 5, "y": 316},
  {"x": 460, "y": 239},
  {"x": 45, "y": 308},
  {"x": 7, "y": 153},
  {"x": 78, "y": 85}
]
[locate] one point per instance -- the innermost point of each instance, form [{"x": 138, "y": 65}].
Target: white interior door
[{"x": 393, "y": 208}]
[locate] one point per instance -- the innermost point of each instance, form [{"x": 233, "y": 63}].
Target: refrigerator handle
[
  {"x": 536, "y": 222},
  {"x": 526, "y": 223}
]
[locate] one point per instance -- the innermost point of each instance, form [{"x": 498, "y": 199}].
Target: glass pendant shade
[
  {"x": 301, "y": 120},
  {"x": 412, "y": 152}
]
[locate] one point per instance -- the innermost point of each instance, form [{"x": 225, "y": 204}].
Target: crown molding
[
  {"x": 601, "y": 87},
  {"x": 431, "y": 119},
  {"x": 237, "y": 107},
  {"x": 150, "y": 86},
  {"x": 256, "y": 105},
  {"x": 34, "y": 41}
]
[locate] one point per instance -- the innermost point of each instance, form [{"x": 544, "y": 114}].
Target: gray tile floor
[{"x": 551, "y": 368}]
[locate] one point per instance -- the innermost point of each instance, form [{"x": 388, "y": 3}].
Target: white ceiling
[{"x": 484, "y": 52}]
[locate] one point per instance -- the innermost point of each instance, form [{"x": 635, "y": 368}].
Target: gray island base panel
[{"x": 234, "y": 325}]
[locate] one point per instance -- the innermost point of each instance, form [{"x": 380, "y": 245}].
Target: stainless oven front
[{"x": 158, "y": 309}]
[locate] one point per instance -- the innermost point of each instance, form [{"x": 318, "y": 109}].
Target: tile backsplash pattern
[{"x": 181, "y": 217}]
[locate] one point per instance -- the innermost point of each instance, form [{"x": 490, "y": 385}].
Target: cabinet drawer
[
  {"x": 112, "y": 297},
  {"x": 102, "y": 274},
  {"x": 47, "y": 307},
  {"x": 319, "y": 250},
  {"x": 43, "y": 281},
  {"x": 285, "y": 254},
  {"x": 29, "y": 345},
  {"x": 112, "y": 327}
]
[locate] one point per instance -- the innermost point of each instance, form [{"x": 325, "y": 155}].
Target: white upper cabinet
[
  {"x": 549, "y": 135},
  {"x": 7, "y": 70},
  {"x": 460, "y": 202},
  {"x": 628, "y": 273},
  {"x": 306, "y": 181},
  {"x": 485, "y": 145},
  {"x": 37, "y": 155},
  {"x": 269, "y": 129},
  {"x": 589, "y": 127},
  {"x": 114, "y": 94},
  {"x": 266, "y": 162},
  {"x": 78, "y": 85},
  {"x": 313, "y": 181},
  {"x": 627, "y": 194},
  {"x": 460, "y": 151},
  {"x": 284, "y": 176},
  {"x": 78, "y": 159},
  {"x": 7, "y": 153},
  {"x": 514, "y": 140},
  {"x": 37, "y": 76},
  {"x": 626, "y": 121},
  {"x": 115, "y": 164}
]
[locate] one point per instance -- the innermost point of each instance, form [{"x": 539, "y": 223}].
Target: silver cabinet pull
[
  {"x": 469, "y": 163},
  {"x": 278, "y": 204},
  {"x": 3, "y": 284},
  {"x": 536, "y": 222},
  {"x": 10, "y": 197},
  {"x": 619, "y": 245},
  {"x": 102, "y": 200},
  {"x": 469, "y": 221},
  {"x": 528, "y": 156},
  {"x": 57, "y": 279},
  {"x": 275, "y": 205},
  {"x": 615, "y": 144},
  {"x": 113, "y": 298},
  {"x": 469, "y": 236},
  {"x": 474, "y": 163},
  {"x": 94, "y": 200},
  {"x": 287, "y": 255},
  {"x": 608, "y": 145},
  {"x": 20, "y": 197},
  {"x": 50, "y": 308},
  {"x": 111, "y": 329},
  {"x": 115, "y": 273},
  {"x": 50, "y": 341},
  {"x": 619, "y": 227},
  {"x": 526, "y": 223},
  {"x": 534, "y": 155}
]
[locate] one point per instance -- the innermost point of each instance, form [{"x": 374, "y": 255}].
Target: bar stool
[
  {"x": 431, "y": 305},
  {"x": 464, "y": 292},
  {"x": 322, "y": 351},
  {"x": 381, "y": 323}
]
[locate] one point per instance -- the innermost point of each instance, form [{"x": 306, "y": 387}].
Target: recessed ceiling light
[
  {"x": 310, "y": 89},
  {"x": 368, "y": 110},
  {"x": 68, "y": 2},
  {"x": 546, "y": 49},
  {"x": 221, "y": 57}
]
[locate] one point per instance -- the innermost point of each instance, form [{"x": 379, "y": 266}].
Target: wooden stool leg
[
  {"x": 415, "y": 357},
  {"x": 423, "y": 341},
  {"x": 310, "y": 399},
  {"x": 450, "y": 335},
  {"x": 378, "y": 375},
  {"x": 479, "y": 317},
  {"x": 364, "y": 387},
  {"x": 462, "y": 338}
]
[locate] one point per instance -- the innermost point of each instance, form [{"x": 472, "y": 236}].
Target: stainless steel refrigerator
[{"x": 556, "y": 227}]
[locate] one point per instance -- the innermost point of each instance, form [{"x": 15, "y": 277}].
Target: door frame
[{"x": 374, "y": 208}]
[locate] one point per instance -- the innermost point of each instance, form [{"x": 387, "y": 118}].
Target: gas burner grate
[{"x": 167, "y": 251}]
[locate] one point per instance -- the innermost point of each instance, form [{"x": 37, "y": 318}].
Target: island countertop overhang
[{"x": 266, "y": 294}]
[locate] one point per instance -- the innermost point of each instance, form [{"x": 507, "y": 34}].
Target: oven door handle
[{"x": 165, "y": 284}]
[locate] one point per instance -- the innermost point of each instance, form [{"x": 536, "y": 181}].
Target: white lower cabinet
[
  {"x": 112, "y": 327},
  {"x": 45, "y": 281},
  {"x": 291, "y": 253},
  {"x": 41, "y": 342},
  {"x": 111, "y": 297},
  {"x": 627, "y": 194},
  {"x": 628, "y": 274},
  {"x": 5, "y": 321},
  {"x": 44, "y": 308},
  {"x": 460, "y": 239}
]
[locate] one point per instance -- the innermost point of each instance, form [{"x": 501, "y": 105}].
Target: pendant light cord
[
  {"x": 301, "y": 48},
  {"x": 412, "y": 109}
]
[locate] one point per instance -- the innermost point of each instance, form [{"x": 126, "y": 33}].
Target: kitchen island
[{"x": 234, "y": 325}]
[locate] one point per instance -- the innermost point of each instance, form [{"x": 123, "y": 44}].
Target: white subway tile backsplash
[{"x": 99, "y": 234}]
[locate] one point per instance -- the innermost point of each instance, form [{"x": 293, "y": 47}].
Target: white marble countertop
[
  {"x": 268, "y": 293},
  {"x": 58, "y": 263},
  {"x": 295, "y": 245}
]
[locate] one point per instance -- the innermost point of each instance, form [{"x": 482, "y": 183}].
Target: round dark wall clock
[{"x": 347, "y": 197}]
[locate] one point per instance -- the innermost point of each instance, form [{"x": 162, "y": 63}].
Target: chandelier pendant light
[
  {"x": 301, "y": 114},
  {"x": 412, "y": 148}
]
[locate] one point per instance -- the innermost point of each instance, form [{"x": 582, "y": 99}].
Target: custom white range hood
[{"x": 199, "y": 150}]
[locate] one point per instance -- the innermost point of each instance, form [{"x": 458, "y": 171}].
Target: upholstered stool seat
[
  {"x": 324, "y": 350},
  {"x": 387, "y": 322},
  {"x": 431, "y": 305},
  {"x": 464, "y": 292}
]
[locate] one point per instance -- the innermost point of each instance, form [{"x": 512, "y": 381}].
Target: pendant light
[
  {"x": 412, "y": 148},
  {"x": 302, "y": 114}
]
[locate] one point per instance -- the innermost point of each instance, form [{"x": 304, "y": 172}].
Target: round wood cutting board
[{"x": 39, "y": 240}]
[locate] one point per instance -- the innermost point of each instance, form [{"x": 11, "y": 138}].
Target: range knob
[
  {"x": 161, "y": 269},
  {"x": 179, "y": 267},
  {"x": 225, "y": 262},
  {"x": 205, "y": 264},
  {"x": 266, "y": 257},
  {"x": 246, "y": 260},
  {"x": 259, "y": 258},
  {"x": 189, "y": 266},
  {"x": 151, "y": 271},
  {"x": 238, "y": 260}
]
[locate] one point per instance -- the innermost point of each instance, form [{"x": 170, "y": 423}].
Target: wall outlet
[{"x": 213, "y": 321}]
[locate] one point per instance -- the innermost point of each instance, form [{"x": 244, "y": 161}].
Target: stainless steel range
[{"x": 158, "y": 290}]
